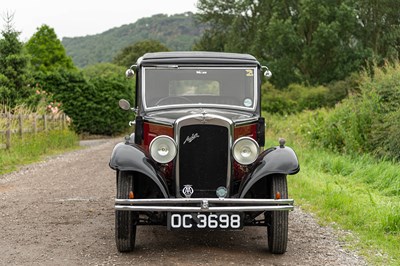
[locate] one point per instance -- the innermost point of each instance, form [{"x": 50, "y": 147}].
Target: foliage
[
  {"x": 32, "y": 148},
  {"x": 177, "y": 32},
  {"x": 129, "y": 55},
  {"x": 357, "y": 193},
  {"x": 110, "y": 119},
  {"x": 89, "y": 98},
  {"x": 295, "y": 98},
  {"x": 365, "y": 122},
  {"x": 104, "y": 70},
  {"x": 41, "y": 101},
  {"x": 108, "y": 71},
  {"x": 74, "y": 91},
  {"x": 379, "y": 28},
  {"x": 303, "y": 41},
  {"x": 14, "y": 61},
  {"x": 47, "y": 52},
  {"x": 92, "y": 104}
]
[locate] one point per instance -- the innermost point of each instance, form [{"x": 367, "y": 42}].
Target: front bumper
[{"x": 204, "y": 205}]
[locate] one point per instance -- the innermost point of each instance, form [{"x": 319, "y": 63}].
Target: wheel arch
[
  {"x": 132, "y": 158},
  {"x": 273, "y": 161}
]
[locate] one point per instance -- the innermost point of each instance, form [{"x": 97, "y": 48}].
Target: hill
[{"x": 177, "y": 32}]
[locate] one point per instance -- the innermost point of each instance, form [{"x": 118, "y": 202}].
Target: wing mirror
[
  {"x": 130, "y": 73},
  {"x": 267, "y": 72},
  {"x": 124, "y": 104}
]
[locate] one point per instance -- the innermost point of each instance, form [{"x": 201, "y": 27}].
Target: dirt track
[{"x": 60, "y": 212}]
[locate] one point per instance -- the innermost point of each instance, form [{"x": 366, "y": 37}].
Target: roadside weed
[
  {"x": 349, "y": 192},
  {"x": 31, "y": 148}
]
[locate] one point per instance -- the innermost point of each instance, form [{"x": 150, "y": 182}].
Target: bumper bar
[{"x": 203, "y": 205}]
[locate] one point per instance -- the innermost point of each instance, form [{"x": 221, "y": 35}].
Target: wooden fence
[{"x": 18, "y": 125}]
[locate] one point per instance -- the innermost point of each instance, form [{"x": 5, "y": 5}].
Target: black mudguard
[
  {"x": 130, "y": 157},
  {"x": 275, "y": 160}
]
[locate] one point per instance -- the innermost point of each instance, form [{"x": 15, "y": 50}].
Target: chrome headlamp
[
  {"x": 245, "y": 150},
  {"x": 163, "y": 149}
]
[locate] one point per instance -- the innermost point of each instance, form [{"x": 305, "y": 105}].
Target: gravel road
[{"x": 60, "y": 212}]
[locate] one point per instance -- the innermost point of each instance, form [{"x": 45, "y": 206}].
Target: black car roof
[{"x": 197, "y": 58}]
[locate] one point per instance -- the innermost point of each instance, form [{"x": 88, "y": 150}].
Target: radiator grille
[{"x": 203, "y": 158}]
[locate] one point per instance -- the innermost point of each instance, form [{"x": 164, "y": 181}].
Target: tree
[
  {"x": 129, "y": 55},
  {"x": 309, "y": 41},
  {"x": 14, "y": 62},
  {"x": 47, "y": 52},
  {"x": 379, "y": 27}
]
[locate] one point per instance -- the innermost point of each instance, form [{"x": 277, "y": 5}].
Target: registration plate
[{"x": 221, "y": 221}]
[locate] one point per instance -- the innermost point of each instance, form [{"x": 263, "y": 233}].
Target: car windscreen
[{"x": 165, "y": 86}]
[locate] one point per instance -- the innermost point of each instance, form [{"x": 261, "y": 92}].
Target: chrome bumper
[{"x": 204, "y": 205}]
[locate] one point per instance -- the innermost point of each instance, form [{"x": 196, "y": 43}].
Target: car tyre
[
  {"x": 277, "y": 221},
  {"x": 125, "y": 221}
]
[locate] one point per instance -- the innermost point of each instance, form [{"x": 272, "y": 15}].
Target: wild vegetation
[
  {"x": 367, "y": 122},
  {"x": 41, "y": 68},
  {"x": 32, "y": 148},
  {"x": 350, "y": 163},
  {"x": 355, "y": 192}
]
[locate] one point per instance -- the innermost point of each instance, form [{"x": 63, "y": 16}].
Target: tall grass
[
  {"x": 353, "y": 192},
  {"x": 32, "y": 148},
  {"x": 367, "y": 121}
]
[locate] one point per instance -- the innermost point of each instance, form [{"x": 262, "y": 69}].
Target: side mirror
[
  {"x": 267, "y": 72},
  {"x": 124, "y": 104},
  {"x": 130, "y": 72}
]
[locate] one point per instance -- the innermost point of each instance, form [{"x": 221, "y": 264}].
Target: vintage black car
[{"x": 196, "y": 159}]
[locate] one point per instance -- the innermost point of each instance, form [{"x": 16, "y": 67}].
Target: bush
[
  {"x": 109, "y": 118},
  {"x": 295, "y": 98},
  {"x": 339, "y": 90},
  {"x": 92, "y": 104},
  {"x": 276, "y": 102},
  {"x": 309, "y": 98},
  {"x": 368, "y": 121}
]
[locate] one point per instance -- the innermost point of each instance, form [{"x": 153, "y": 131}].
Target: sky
[{"x": 72, "y": 18}]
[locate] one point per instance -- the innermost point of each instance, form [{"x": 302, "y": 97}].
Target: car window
[
  {"x": 163, "y": 86},
  {"x": 193, "y": 87}
]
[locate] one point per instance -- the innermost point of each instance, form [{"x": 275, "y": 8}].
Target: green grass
[
  {"x": 334, "y": 187},
  {"x": 356, "y": 193},
  {"x": 32, "y": 148}
]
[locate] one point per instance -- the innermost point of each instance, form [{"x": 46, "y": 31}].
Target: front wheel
[
  {"x": 125, "y": 221},
  {"x": 277, "y": 221}
]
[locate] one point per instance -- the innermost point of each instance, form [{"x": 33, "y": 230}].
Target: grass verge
[
  {"x": 356, "y": 193},
  {"x": 32, "y": 148}
]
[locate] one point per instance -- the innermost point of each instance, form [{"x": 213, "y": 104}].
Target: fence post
[
  {"x": 20, "y": 130},
  {"x": 35, "y": 124},
  {"x": 8, "y": 131},
  {"x": 63, "y": 121},
  {"x": 45, "y": 122}
]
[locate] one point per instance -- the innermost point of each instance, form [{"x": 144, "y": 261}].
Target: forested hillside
[{"x": 177, "y": 32}]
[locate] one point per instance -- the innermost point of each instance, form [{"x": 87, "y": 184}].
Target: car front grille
[{"x": 203, "y": 158}]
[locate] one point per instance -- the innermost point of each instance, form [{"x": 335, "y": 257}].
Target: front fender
[
  {"x": 277, "y": 160},
  {"x": 126, "y": 157}
]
